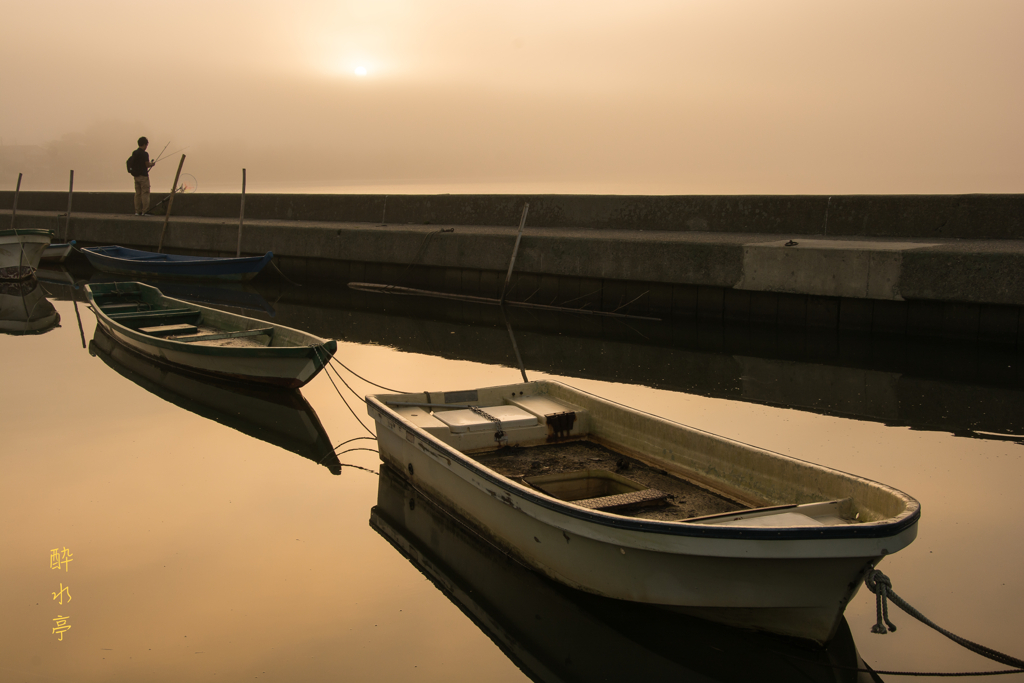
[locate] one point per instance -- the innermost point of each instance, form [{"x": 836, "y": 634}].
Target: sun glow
[{"x": 360, "y": 71}]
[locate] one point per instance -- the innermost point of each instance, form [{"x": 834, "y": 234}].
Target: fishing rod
[
  {"x": 172, "y": 153},
  {"x": 178, "y": 190},
  {"x": 162, "y": 151}
]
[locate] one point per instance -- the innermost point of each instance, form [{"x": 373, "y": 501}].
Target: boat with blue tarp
[{"x": 136, "y": 263}]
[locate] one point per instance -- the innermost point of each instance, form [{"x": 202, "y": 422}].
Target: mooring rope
[
  {"x": 286, "y": 278},
  {"x": 880, "y": 584},
  {"x": 340, "y": 395},
  {"x": 395, "y": 391}
]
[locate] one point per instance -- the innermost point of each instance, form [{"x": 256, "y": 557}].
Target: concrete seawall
[
  {"x": 889, "y": 216},
  {"x": 948, "y": 266}
]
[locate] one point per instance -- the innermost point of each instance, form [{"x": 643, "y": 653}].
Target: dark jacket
[{"x": 140, "y": 162}]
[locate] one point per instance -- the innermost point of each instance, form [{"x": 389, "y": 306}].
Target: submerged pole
[
  {"x": 170, "y": 203},
  {"x": 241, "y": 218},
  {"x": 515, "y": 250}
]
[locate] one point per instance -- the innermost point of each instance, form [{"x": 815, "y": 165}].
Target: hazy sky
[{"x": 655, "y": 97}]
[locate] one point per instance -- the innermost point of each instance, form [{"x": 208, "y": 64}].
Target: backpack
[{"x": 131, "y": 165}]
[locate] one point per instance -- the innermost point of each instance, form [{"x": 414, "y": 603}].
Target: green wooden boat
[{"x": 205, "y": 340}]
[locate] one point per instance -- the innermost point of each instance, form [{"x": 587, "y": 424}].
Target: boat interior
[
  {"x": 155, "y": 316},
  {"x": 548, "y": 444}
]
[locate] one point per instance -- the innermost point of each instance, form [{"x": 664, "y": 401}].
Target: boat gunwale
[
  {"x": 886, "y": 528},
  {"x": 242, "y": 352},
  {"x": 178, "y": 259},
  {"x": 26, "y": 232}
]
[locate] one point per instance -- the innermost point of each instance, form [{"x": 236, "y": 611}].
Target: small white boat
[
  {"x": 20, "y": 251},
  {"x": 206, "y": 340},
  {"x": 627, "y": 505},
  {"x": 57, "y": 252}
]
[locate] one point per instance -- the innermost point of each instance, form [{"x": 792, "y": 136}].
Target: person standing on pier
[{"x": 139, "y": 167}]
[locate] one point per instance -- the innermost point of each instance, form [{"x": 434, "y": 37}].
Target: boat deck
[
  {"x": 233, "y": 341},
  {"x": 683, "y": 500}
]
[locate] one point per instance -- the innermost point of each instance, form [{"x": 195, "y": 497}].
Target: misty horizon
[{"x": 656, "y": 98}]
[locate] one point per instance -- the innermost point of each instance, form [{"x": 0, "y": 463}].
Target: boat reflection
[
  {"x": 56, "y": 274},
  {"x": 554, "y": 633},
  {"x": 281, "y": 418},
  {"x": 24, "y": 308}
]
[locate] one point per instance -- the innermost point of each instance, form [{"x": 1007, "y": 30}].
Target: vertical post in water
[
  {"x": 14, "y": 212},
  {"x": 14, "y": 209},
  {"x": 515, "y": 250},
  {"x": 71, "y": 189},
  {"x": 170, "y": 203},
  {"x": 515, "y": 347},
  {"x": 241, "y": 218}
]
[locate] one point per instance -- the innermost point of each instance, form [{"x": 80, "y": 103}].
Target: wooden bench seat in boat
[
  {"x": 142, "y": 315},
  {"x": 213, "y": 336},
  {"x": 154, "y": 318},
  {"x": 122, "y": 308},
  {"x": 827, "y": 513},
  {"x": 167, "y": 330},
  {"x": 623, "y": 501}
]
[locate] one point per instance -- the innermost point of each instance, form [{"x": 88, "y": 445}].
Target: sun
[{"x": 360, "y": 71}]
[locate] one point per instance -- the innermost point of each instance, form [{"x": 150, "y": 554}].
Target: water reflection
[
  {"x": 24, "y": 308},
  {"x": 972, "y": 389},
  {"x": 57, "y": 275},
  {"x": 553, "y": 633},
  {"x": 282, "y": 418}
]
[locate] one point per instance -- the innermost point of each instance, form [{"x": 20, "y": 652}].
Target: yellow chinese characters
[
  {"x": 59, "y": 557},
  {"x": 62, "y": 625},
  {"x": 63, "y": 591}
]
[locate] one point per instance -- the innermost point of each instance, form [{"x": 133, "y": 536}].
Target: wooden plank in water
[{"x": 165, "y": 330}]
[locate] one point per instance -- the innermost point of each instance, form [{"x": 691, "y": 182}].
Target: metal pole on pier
[
  {"x": 14, "y": 209},
  {"x": 14, "y": 212},
  {"x": 241, "y": 218},
  {"x": 170, "y": 203},
  {"x": 71, "y": 189},
  {"x": 515, "y": 250}
]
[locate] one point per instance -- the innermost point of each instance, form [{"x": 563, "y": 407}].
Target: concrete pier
[{"x": 943, "y": 266}]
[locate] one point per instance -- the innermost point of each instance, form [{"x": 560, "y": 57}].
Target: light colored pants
[{"x": 141, "y": 193}]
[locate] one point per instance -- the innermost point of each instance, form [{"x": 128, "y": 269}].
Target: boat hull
[
  {"x": 554, "y": 633},
  {"x": 57, "y": 253},
  {"x": 20, "y": 251},
  {"x": 143, "y": 264},
  {"x": 290, "y": 367},
  {"x": 790, "y": 583}
]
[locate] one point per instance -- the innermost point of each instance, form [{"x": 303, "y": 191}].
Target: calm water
[{"x": 206, "y": 544}]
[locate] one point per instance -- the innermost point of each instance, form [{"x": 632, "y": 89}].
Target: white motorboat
[{"x": 627, "y": 505}]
